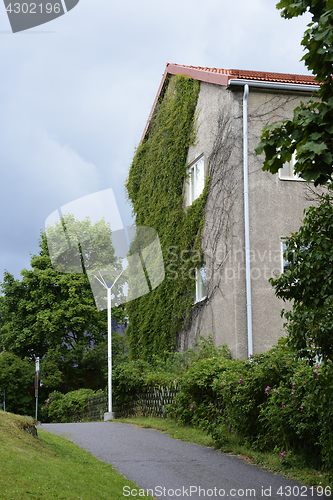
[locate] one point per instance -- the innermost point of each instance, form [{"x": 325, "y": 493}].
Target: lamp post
[{"x": 109, "y": 415}]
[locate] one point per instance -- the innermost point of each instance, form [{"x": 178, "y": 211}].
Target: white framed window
[
  {"x": 196, "y": 179},
  {"x": 200, "y": 284},
  {"x": 287, "y": 172}
]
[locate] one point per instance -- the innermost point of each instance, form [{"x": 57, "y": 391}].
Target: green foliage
[
  {"x": 243, "y": 389},
  {"x": 290, "y": 413},
  {"x": 309, "y": 133},
  {"x": 53, "y": 315},
  {"x": 69, "y": 407},
  {"x": 155, "y": 188},
  {"x": 309, "y": 283},
  {"x": 323, "y": 403},
  {"x": 272, "y": 401},
  {"x": 129, "y": 379},
  {"x": 197, "y": 402},
  {"x": 205, "y": 348},
  {"x": 229, "y": 392},
  {"x": 17, "y": 378},
  {"x": 94, "y": 250},
  {"x": 48, "y": 310},
  {"x": 133, "y": 377}
]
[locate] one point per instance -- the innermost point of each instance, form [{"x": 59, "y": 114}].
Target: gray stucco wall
[{"x": 276, "y": 209}]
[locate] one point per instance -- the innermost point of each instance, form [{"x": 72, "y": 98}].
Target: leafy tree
[
  {"x": 53, "y": 315},
  {"x": 310, "y": 132},
  {"x": 17, "y": 378},
  {"x": 309, "y": 283}
]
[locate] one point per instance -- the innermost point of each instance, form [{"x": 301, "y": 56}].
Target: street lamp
[{"x": 110, "y": 415}]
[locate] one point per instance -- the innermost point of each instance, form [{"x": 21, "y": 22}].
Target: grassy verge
[
  {"x": 269, "y": 461},
  {"x": 50, "y": 467}
]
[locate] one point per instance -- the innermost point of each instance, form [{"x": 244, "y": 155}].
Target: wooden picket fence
[{"x": 151, "y": 403}]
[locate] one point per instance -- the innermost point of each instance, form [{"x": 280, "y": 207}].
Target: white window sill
[{"x": 201, "y": 300}]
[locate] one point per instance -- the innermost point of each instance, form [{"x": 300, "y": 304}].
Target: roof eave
[{"x": 218, "y": 79}]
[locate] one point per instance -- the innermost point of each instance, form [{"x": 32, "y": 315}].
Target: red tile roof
[{"x": 250, "y": 75}]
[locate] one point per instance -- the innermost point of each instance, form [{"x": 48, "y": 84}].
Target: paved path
[{"x": 171, "y": 469}]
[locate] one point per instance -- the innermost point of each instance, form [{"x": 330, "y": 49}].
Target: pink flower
[
  {"x": 191, "y": 406},
  {"x": 240, "y": 380},
  {"x": 293, "y": 383},
  {"x": 47, "y": 400},
  {"x": 283, "y": 406},
  {"x": 301, "y": 407}
]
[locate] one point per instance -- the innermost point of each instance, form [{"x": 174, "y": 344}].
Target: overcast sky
[{"x": 75, "y": 94}]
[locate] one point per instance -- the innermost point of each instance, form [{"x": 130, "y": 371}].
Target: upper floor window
[
  {"x": 287, "y": 172},
  {"x": 196, "y": 179}
]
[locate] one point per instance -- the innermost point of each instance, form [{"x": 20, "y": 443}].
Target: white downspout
[{"x": 247, "y": 225}]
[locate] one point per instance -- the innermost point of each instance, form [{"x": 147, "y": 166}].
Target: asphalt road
[{"x": 172, "y": 469}]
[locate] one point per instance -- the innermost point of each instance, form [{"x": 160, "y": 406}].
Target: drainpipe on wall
[{"x": 247, "y": 225}]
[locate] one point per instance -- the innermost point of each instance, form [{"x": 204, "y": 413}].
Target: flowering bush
[
  {"x": 196, "y": 403},
  {"x": 290, "y": 414},
  {"x": 272, "y": 401},
  {"x": 244, "y": 387}
]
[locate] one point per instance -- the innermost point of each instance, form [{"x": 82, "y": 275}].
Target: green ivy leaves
[{"x": 155, "y": 188}]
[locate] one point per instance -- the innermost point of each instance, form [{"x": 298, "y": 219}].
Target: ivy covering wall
[{"x": 156, "y": 190}]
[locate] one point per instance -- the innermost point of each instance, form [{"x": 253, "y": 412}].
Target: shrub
[
  {"x": 290, "y": 415},
  {"x": 243, "y": 389},
  {"x": 197, "y": 402},
  {"x": 271, "y": 401},
  {"x": 69, "y": 407}
]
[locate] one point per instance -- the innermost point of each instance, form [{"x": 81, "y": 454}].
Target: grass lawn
[
  {"x": 299, "y": 471},
  {"x": 50, "y": 467}
]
